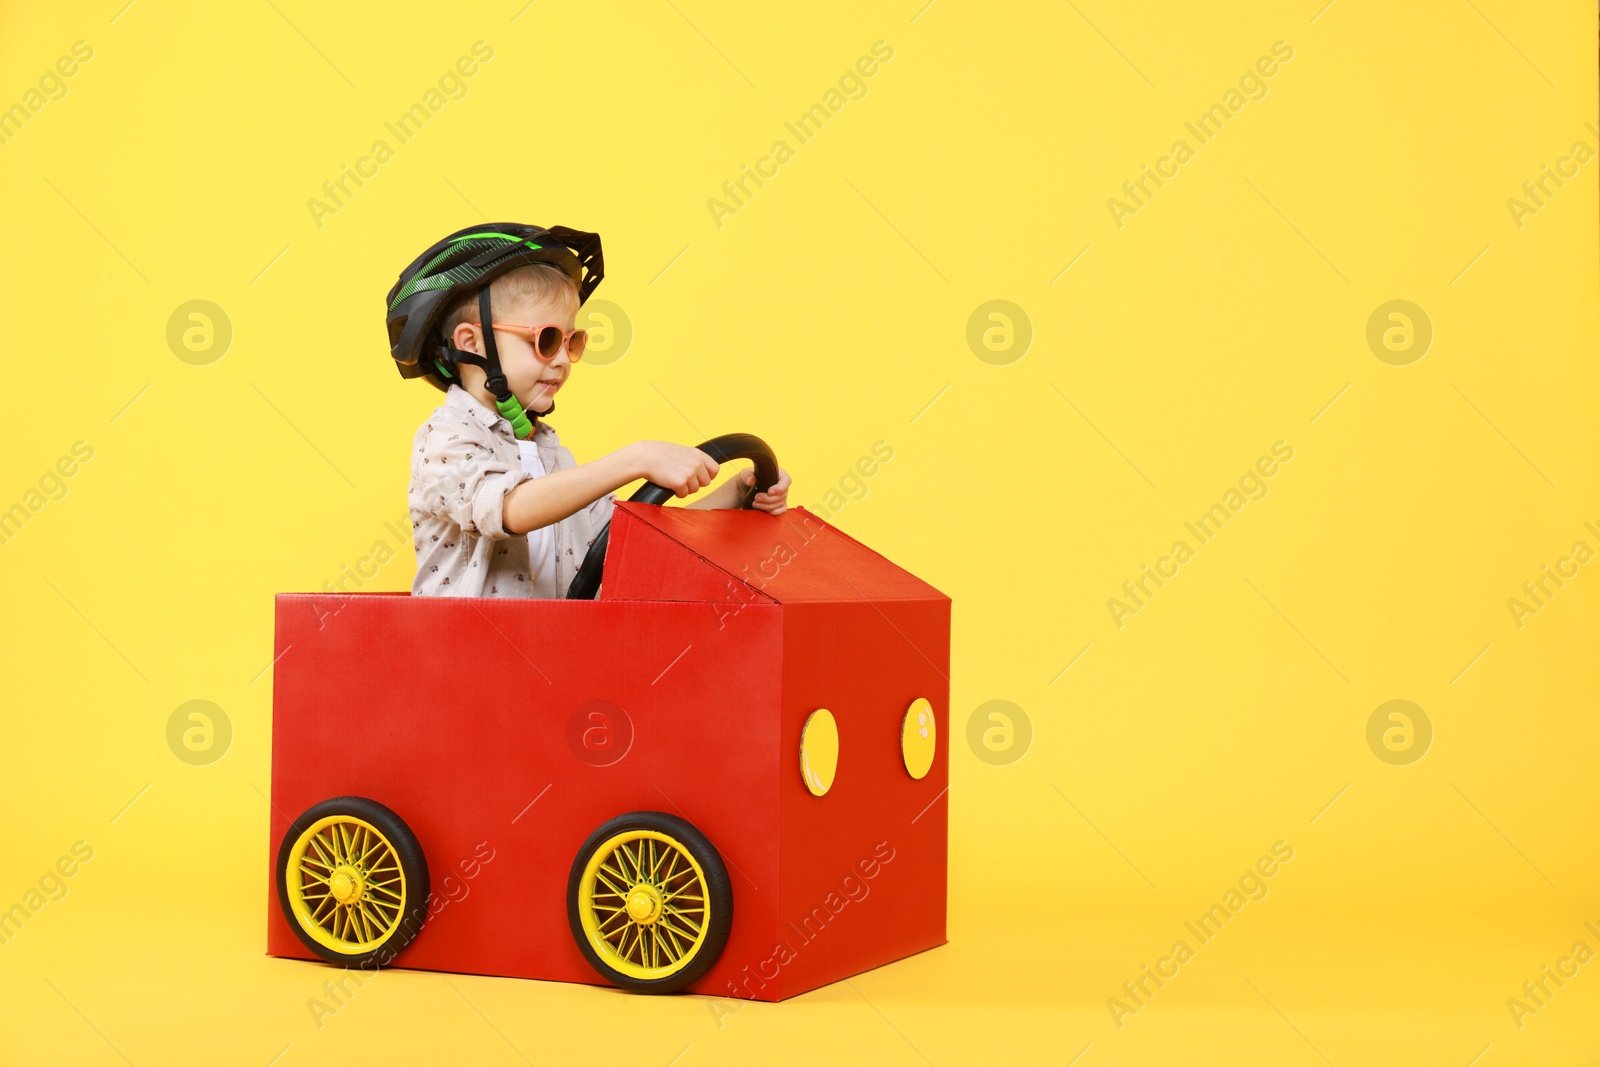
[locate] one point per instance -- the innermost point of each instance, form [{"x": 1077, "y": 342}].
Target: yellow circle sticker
[
  {"x": 918, "y": 741},
  {"x": 819, "y": 751}
]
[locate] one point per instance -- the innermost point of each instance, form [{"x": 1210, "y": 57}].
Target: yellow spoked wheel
[
  {"x": 352, "y": 881},
  {"x": 649, "y": 902}
]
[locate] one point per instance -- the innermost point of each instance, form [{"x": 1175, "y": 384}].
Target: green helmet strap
[
  {"x": 514, "y": 413},
  {"x": 504, "y": 401}
]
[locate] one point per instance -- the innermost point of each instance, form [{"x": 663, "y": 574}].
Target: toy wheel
[
  {"x": 649, "y": 902},
  {"x": 352, "y": 881}
]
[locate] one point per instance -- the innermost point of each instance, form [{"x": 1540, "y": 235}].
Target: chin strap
[
  {"x": 521, "y": 419},
  {"x": 509, "y": 406}
]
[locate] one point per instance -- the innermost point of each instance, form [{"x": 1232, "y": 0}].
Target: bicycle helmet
[{"x": 467, "y": 261}]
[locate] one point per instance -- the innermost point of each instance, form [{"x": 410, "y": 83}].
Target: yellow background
[{"x": 825, "y": 315}]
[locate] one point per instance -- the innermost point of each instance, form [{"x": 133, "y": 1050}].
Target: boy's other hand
[
  {"x": 775, "y": 499},
  {"x": 682, "y": 469}
]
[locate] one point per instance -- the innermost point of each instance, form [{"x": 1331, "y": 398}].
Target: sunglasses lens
[
  {"x": 549, "y": 342},
  {"x": 576, "y": 344}
]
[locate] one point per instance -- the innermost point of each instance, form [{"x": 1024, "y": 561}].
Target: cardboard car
[{"x": 726, "y": 774}]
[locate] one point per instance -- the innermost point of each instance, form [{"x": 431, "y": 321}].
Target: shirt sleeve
[{"x": 459, "y": 478}]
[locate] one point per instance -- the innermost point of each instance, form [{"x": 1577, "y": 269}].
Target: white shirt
[
  {"x": 541, "y": 542},
  {"x": 464, "y": 460}
]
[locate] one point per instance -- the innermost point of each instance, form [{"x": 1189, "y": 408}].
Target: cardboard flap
[
  {"x": 665, "y": 553},
  {"x": 643, "y": 563}
]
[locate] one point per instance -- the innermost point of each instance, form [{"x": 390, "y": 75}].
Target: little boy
[{"x": 499, "y": 507}]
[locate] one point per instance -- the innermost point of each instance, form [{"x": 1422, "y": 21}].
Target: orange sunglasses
[{"x": 548, "y": 340}]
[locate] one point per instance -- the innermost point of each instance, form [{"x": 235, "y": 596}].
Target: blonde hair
[{"x": 529, "y": 284}]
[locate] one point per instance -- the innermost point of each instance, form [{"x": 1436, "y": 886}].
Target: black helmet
[{"x": 467, "y": 261}]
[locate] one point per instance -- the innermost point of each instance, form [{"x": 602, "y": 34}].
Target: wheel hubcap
[
  {"x": 644, "y": 904},
  {"x": 346, "y": 885}
]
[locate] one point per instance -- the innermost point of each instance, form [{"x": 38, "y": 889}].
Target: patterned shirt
[{"x": 464, "y": 461}]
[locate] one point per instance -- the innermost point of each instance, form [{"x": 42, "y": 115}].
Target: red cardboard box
[{"x": 512, "y": 729}]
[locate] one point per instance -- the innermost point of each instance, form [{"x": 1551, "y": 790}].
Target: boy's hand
[
  {"x": 682, "y": 469},
  {"x": 775, "y": 499}
]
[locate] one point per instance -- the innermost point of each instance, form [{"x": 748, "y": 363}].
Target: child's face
[{"x": 533, "y": 381}]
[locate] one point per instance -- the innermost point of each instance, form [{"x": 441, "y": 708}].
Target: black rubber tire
[
  {"x": 409, "y": 851},
  {"x": 719, "y": 900}
]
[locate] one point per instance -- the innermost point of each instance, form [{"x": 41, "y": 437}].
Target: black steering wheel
[{"x": 729, "y": 446}]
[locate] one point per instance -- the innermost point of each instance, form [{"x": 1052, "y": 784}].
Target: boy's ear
[{"x": 465, "y": 337}]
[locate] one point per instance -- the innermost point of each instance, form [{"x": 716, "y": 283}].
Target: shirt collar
[{"x": 461, "y": 400}]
